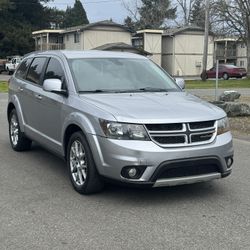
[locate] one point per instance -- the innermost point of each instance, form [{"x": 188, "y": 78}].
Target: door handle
[{"x": 39, "y": 97}]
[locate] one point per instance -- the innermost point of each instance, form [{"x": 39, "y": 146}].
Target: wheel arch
[
  {"x": 10, "y": 107},
  {"x": 70, "y": 130}
]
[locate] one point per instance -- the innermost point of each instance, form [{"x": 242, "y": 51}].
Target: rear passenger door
[
  {"x": 20, "y": 84},
  {"x": 31, "y": 91}
]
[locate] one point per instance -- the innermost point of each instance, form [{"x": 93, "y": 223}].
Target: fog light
[
  {"x": 229, "y": 162},
  {"x": 132, "y": 172}
]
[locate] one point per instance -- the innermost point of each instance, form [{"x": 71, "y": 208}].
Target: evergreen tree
[
  {"x": 55, "y": 17},
  {"x": 198, "y": 13},
  {"x": 75, "y": 16},
  {"x": 154, "y": 13},
  {"x": 17, "y": 21}
]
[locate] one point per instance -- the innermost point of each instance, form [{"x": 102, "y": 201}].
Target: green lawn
[
  {"x": 3, "y": 87},
  {"x": 235, "y": 83},
  {"x": 190, "y": 84}
]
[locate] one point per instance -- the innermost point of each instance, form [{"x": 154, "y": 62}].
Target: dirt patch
[{"x": 240, "y": 127}]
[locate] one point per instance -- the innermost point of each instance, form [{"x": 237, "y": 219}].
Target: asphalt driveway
[{"x": 40, "y": 210}]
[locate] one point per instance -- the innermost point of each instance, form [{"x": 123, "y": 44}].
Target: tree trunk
[
  {"x": 248, "y": 47},
  {"x": 205, "y": 52},
  {"x": 248, "y": 56}
]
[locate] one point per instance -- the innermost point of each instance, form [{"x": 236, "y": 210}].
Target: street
[
  {"x": 40, "y": 210},
  {"x": 4, "y": 77}
]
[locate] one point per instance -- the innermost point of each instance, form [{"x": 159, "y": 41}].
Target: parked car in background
[
  {"x": 116, "y": 116},
  {"x": 12, "y": 64},
  {"x": 226, "y": 71},
  {"x": 2, "y": 67}
]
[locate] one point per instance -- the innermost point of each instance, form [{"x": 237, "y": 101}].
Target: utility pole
[{"x": 205, "y": 50}]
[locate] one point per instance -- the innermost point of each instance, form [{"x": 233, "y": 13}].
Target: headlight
[
  {"x": 222, "y": 126},
  {"x": 124, "y": 131}
]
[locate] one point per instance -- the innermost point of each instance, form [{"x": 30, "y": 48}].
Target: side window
[
  {"x": 35, "y": 70},
  {"x": 55, "y": 71},
  {"x": 22, "y": 69}
]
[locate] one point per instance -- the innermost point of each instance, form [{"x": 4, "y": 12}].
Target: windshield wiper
[
  {"x": 153, "y": 89},
  {"x": 94, "y": 91}
]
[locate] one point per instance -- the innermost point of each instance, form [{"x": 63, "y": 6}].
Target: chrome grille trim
[{"x": 191, "y": 135}]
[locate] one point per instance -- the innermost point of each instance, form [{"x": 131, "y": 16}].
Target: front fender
[{"x": 80, "y": 120}]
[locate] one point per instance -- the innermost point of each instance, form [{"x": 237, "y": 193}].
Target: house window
[
  {"x": 67, "y": 38},
  {"x": 242, "y": 45},
  {"x": 241, "y": 63},
  {"x": 76, "y": 37}
]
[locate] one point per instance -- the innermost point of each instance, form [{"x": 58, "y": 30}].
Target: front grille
[
  {"x": 170, "y": 139},
  {"x": 187, "y": 167},
  {"x": 201, "y": 125},
  {"x": 182, "y": 134},
  {"x": 164, "y": 127},
  {"x": 201, "y": 137},
  {"x": 188, "y": 171}
]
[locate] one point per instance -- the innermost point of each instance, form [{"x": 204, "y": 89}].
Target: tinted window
[
  {"x": 35, "y": 70},
  {"x": 22, "y": 70},
  {"x": 55, "y": 71}
]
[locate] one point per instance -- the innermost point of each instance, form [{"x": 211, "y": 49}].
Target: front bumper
[{"x": 111, "y": 156}]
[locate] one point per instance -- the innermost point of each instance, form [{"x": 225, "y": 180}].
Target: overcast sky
[{"x": 97, "y": 10}]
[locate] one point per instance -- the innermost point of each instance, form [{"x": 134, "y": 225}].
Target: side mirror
[
  {"x": 54, "y": 86},
  {"x": 180, "y": 82}
]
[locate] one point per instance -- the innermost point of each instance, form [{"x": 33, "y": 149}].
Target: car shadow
[{"x": 56, "y": 166}]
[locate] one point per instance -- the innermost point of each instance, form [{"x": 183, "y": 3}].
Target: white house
[
  {"x": 182, "y": 51},
  {"x": 231, "y": 50},
  {"x": 83, "y": 37}
]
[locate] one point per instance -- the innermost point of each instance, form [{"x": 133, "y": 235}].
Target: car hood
[{"x": 161, "y": 107}]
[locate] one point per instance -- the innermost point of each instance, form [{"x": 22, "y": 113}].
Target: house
[
  {"x": 83, "y": 37},
  {"x": 179, "y": 51},
  {"x": 123, "y": 47},
  {"x": 150, "y": 41},
  {"x": 48, "y": 39},
  {"x": 230, "y": 50},
  {"x": 182, "y": 51}
]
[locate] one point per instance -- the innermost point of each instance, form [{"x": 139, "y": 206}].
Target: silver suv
[{"x": 116, "y": 116}]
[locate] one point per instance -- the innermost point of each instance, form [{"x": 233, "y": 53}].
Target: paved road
[
  {"x": 40, "y": 210},
  {"x": 4, "y": 77},
  {"x": 245, "y": 92}
]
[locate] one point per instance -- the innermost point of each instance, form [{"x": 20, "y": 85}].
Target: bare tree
[
  {"x": 132, "y": 8},
  {"x": 235, "y": 16},
  {"x": 205, "y": 51},
  {"x": 185, "y": 8}
]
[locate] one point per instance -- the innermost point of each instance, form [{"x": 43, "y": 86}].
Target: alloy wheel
[
  {"x": 78, "y": 163},
  {"x": 14, "y": 130}
]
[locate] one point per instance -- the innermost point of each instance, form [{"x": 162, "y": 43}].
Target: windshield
[{"x": 119, "y": 75}]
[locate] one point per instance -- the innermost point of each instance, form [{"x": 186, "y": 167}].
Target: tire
[
  {"x": 19, "y": 142},
  {"x": 225, "y": 76},
  {"x": 81, "y": 166},
  {"x": 206, "y": 76}
]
